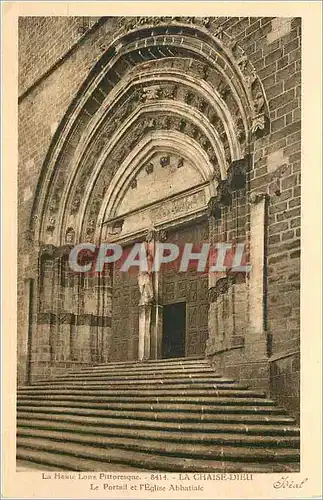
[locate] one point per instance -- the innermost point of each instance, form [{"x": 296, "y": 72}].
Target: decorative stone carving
[
  {"x": 243, "y": 62},
  {"x": 259, "y": 102},
  {"x": 133, "y": 183},
  {"x": 223, "y": 89},
  {"x": 257, "y": 196},
  {"x": 227, "y": 154},
  {"x": 169, "y": 92},
  {"x": 258, "y": 123},
  {"x": 201, "y": 105},
  {"x": 164, "y": 161},
  {"x": 180, "y": 163},
  {"x": 164, "y": 122},
  {"x": 219, "y": 33},
  {"x": 214, "y": 161},
  {"x": 89, "y": 234},
  {"x": 162, "y": 235},
  {"x": 175, "y": 207},
  {"x": 251, "y": 79},
  {"x": 182, "y": 125},
  {"x": 236, "y": 175},
  {"x": 150, "y": 93},
  {"x": 206, "y": 145},
  {"x": 206, "y": 21},
  {"x": 75, "y": 204},
  {"x": 231, "y": 44},
  {"x": 128, "y": 24},
  {"x": 135, "y": 97},
  {"x": 223, "y": 136},
  {"x": 54, "y": 203},
  {"x": 221, "y": 287},
  {"x": 191, "y": 130},
  {"x": 51, "y": 225},
  {"x": 214, "y": 120},
  {"x": 149, "y": 168},
  {"x": 146, "y": 289},
  {"x": 70, "y": 235},
  {"x": 239, "y": 128},
  {"x": 187, "y": 20},
  {"x": 149, "y": 124},
  {"x": 205, "y": 72},
  {"x": 214, "y": 208},
  {"x": 188, "y": 97}
]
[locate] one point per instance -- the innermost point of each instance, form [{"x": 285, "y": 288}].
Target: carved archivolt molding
[{"x": 179, "y": 74}]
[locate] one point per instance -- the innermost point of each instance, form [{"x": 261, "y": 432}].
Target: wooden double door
[{"x": 183, "y": 306}]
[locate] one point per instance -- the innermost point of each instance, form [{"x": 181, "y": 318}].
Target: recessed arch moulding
[{"x": 167, "y": 91}]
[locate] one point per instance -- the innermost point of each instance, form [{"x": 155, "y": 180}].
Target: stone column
[
  {"x": 156, "y": 331},
  {"x": 145, "y": 315},
  {"x": 42, "y": 345},
  {"x": 103, "y": 303},
  {"x": 150, "y": 309},
  {"x": 157, "y": 313},
  {"x": 256, "y": 340}
]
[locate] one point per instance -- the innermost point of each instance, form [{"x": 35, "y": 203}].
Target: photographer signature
[{"x": 287, "y": 482}]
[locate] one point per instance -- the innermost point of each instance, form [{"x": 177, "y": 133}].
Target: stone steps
[
  {"x": 138, "y": 417},
  {"x": 180, "y": 381},
  {"x": 157, "y": 407},
  {"x": 149, "y": 367},
  {"x": 199, "y": 443},
  {"x": 79, "y": 457},
  {"x": 205, "y": 390},
  {"x": 220, "y": 400},
  {"x": 239, "y": 433},
  {"x": 167, "y": 415},
  {"x": 151, "y": 420},
  {"x": 168, "y": 363},
  {"x": 170, "y": 375},
  {"x": 189, "y": 450},
  {"x": 36, "y": 459}
]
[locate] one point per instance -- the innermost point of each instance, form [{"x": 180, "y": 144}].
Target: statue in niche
[
  {"x": 145, "y": 278},
  {"x": 145, "y": 283}
]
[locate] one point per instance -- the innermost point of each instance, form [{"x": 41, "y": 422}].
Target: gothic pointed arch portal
[{"x": 157, "y": 129}]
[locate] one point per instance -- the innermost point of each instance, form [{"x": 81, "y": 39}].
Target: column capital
[{"x": 258, "y": 196}]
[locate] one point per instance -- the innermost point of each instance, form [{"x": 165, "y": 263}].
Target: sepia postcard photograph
[{"x": 161, "y": 250}]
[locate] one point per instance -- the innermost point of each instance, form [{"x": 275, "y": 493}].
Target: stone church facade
[{"x": 189, "y": 126}]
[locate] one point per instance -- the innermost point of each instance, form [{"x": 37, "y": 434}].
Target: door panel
[
  {"x": 173, "y": 341},
  {"x": 190, "y": 286}
]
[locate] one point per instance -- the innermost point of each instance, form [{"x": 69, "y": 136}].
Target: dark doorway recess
[{"x": 174, "y": 319}]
